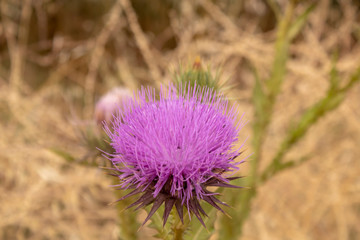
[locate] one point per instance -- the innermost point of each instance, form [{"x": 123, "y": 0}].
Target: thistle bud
[{"x": 109, "y": 103}]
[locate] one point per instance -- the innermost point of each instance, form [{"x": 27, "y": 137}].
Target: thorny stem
[
  {"x": 231, "y": 231},
  {"x": 331, "y": 101}
]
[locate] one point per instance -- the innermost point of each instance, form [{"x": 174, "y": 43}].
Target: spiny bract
[{"x": 170, "y": 148}]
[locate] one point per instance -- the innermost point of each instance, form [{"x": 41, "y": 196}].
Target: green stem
[{"x": 179, "y": 228}]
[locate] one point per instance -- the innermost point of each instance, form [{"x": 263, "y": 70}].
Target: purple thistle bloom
[{"x": 172, "y": 148}]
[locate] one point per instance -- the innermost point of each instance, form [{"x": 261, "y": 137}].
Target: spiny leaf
[
  {"x": 162, "y": 232},
  {"x": 331, "y": 101},
  {"x": 197, "y": 231}
]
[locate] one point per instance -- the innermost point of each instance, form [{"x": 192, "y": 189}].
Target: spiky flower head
[{"x": 171, "y": 148}]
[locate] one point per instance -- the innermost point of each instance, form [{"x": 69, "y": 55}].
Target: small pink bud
[{"x": 109, "y": 103}]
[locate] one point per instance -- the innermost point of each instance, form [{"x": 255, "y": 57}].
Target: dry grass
[{"x": 48, "y": 78}]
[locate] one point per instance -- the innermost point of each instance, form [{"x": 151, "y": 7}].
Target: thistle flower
[
  {"x": 108, "y": 104},
  {"x": 170, "y": 150}
]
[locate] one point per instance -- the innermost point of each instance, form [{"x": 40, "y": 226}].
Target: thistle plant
[{"x": 171, "y": 150}]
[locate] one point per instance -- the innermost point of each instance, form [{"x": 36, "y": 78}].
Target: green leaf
[
  {"x": 157, "y": 224},
  {"x": 197, "y": 231}
]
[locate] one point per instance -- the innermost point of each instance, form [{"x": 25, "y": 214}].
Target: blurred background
[{"x": 57, "y": 58}]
